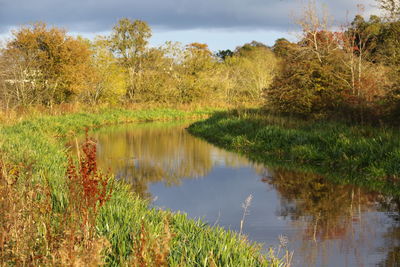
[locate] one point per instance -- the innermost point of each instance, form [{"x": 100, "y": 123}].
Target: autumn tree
[
  {"x": 368, "y": 75},
  {"x": 196, "y": 79},
  {"x": 329, "y": 72},
  {"x": 316, "y": 36},
  {"x": 108, "y": 84},
  {"x": 307, "y": 82},
  {"x": 251, "y": 68},
  {"x": 282, "y": 47},
  {"x": 45, "y": 65},
  {"x": 377, "y": 42},
  {"x": 305, "y": 86},
  {"x": 129, "y": 40},
  {"x": 157, "y": 81},
  {"x": 387, "y": 53}
]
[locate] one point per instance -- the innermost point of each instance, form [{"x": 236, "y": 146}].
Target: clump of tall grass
[
  {"x": 280, "y": 256},
  {"x": 150, "y": 250},
  {"x": 246, "y": 204}
]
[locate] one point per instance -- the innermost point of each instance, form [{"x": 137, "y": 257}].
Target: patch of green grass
[
  {"x": 348, "y": 154},
  {"x": 40, "y": 144}
]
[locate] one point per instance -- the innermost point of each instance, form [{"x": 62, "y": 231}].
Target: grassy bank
[
  {"x": 347, "y": 154},
  {"x": 124, "y": 230}
]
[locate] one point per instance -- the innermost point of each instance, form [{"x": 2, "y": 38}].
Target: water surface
[{"x": 324, "y": 224}]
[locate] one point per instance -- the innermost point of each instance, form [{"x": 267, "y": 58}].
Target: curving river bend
[{"x": 324, "y": 224}]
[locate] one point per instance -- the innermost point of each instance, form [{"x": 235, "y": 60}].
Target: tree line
[
  {"x": 352, "y": 72},
  {"x": 44, "y": 65}
]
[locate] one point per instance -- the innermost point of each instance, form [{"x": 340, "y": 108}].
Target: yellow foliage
[
  {"x": 250, "y": 73},
  {"x": 52, "y": 65},
  {"x": 109, "y": 81}
]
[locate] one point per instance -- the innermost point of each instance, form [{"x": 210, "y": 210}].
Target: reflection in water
[
  {"x": 325, "y": 212},
  {"x": 391, "y": 245},
  {"x": 327, "y": 225},
  {"x": 148, "y": 153}
]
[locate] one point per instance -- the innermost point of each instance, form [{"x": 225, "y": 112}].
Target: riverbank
[
  {"x": 120, "y": 228},
  {"x": 346, "y": 154}
]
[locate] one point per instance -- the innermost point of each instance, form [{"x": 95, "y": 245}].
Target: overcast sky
[{"x": 220, "y": 23}]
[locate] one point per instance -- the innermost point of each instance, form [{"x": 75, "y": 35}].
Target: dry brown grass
[
  {"x": 32, "y": 233},
  {"x": 150, "y": 250}
]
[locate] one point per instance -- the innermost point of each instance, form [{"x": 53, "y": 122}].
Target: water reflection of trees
[
  {"x": 144, "y": 154},
  {"x": 391, "y": 247},
  {"x": 324, "y": 212},
  {"x": 391, "y": 242}
]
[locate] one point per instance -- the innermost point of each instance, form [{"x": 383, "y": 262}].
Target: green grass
[
  {"x": 40, "y": 143},
  {"x": 347, "y": 154}
]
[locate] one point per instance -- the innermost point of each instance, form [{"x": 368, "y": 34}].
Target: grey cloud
[{"x": 100, "y": 15}]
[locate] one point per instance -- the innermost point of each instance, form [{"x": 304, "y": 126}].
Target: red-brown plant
[{"x": 89, "y": 188}]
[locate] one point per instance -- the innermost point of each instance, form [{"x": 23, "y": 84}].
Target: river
[{"x": 322, "y": 223}]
